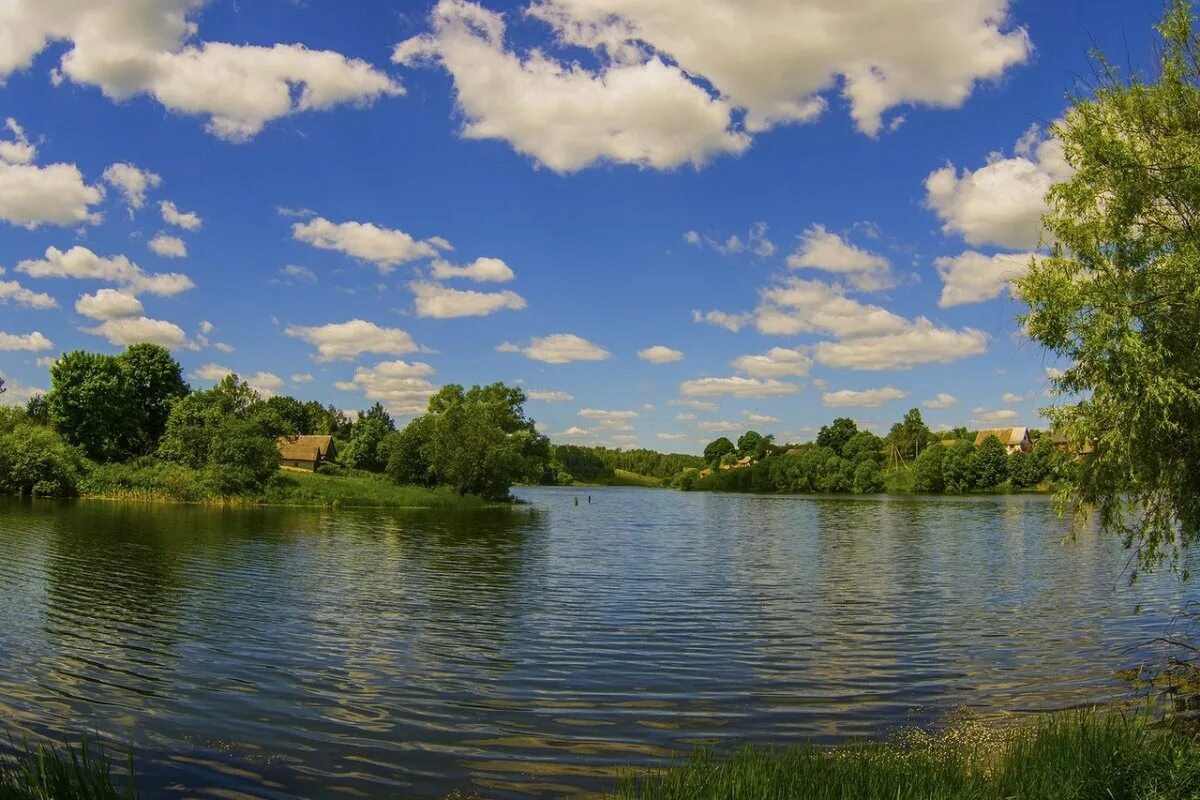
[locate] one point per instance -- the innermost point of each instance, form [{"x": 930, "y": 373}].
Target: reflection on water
[{"x": 282, "y": 653}]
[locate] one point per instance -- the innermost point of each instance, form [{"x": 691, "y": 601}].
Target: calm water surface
[{"x": 283, "y": 653}]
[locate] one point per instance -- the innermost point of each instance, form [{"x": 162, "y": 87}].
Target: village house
[
  {"x": 1015, "y": 440},
  {"x": 306, "y": 452}
]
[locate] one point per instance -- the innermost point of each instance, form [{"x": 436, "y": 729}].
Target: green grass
[
  {"x": 47, "y": 773},
  {"x": 622, "y": 477},
  {"x": 359, "y": 490},
  {"x": 1079, "y": 756}
]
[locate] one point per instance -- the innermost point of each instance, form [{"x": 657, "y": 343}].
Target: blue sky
[{"x": 367, "y": 205}]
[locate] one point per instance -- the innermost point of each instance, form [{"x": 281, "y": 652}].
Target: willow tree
[{"x": 1118, "y": 297}]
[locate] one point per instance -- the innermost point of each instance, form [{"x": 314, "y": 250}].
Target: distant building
[
  {"x": 306, "y": 452},
  {"x": 1015, "y": 440},
  {"x": 1061, "y": 442}
]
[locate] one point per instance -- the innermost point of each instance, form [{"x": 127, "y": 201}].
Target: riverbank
[
  {"x": 166, "y": 483},
  {"x": 1079, "y": 756}
]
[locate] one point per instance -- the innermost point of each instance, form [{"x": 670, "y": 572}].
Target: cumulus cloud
[
  {"x": 441, "y": 302},
  {"x": 31, "y": 195},
  {"x": 722, "y": 319},
  {"x": 759, "y": 419},
  {"x": 672, "y": 437},
  {"x": 660, "y": 354},
  {"x": 778, "y": 362},
  {"x": 717, "y": 427},
  {"x": 610, "y": 420},
  {"x": 796, "y": 305},
  {"x": 564, "y": 115},
  {"x": 31, "y": 342},
  {"x": 301, "y": 377},
  {"x": 481, "y": 270},
  {"x": 188, "y": 220},
  {"x": 825, "y": 250},
  {"x": 867, "y": 398},
  {"x": 698, "y": 405},
  {"x": 168, "y": 246},
  {"x": 988, "y": 416},
  {"x": 647, "y": 100},
  {"x": 549, "y": 397},
  {"x": 558, "y": 348},
  {"x": 384, "y": 247},
  {"x": 124, "y": 331},
  {"x": 921, "y": 342},
  {"x": 128, "y": 48},
  {"x": 974, "y": 277},
  {"x": 108, "y": 304},
  {"x": 16, "y": 393},
  {"x": 401, "y": 386},
  {"x": 344, "y": 341},
  {"x": 293, "y": 274},
  {"x": 942, "y": 401},
  {"x": 1011, "y": 398},
  {"x": 1001, "y": 203},
  {"x": 736, "y": 387},
  {"x": 267, "y": 384},
  {"x": 16, "y": 293},
  {"x": 81, "y": 263},
  {"x": 756, "y": 242},
  {"x": 132, "y": 182}
]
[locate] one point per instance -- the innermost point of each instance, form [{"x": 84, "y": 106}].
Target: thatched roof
[
  {"x": 306, "y": 448},
  {"x": 1007, "y": 436}
]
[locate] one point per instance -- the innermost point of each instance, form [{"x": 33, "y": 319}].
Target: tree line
[{"x": 571, "y": 463}]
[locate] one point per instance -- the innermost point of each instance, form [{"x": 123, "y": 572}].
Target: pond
[{"x": 531, "y": 652}]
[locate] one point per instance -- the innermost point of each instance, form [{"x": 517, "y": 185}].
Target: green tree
[
  {"x": 34, "y": 460},
  {"x": 837, "y": 435},
  {"x": 989, "y": 466},
  {"x": 927, "y": 469},
  {"x": 93, "y": 404},
  {"x": 295, "y": 415},
  {"x": 958, "y": 467},
  {"x": 481, "y": 442},
  {"x": 864, "y": 446},
  {"x": 156, "y": 380},
  {"x": 868, "y": 477},
  {"x": 717, "y": 449},
  {"x": 366, "y": 437},
  {"x": 38, "y": 409},
  {"x": 910, "y": 436},
  {"x": 196, "y": 421},
  {"x": 407, "y": 451},
  {"x": 241, "y": 456},
  {"x": 1118, "y": 297},
  {"x": 750, "y": 443}
]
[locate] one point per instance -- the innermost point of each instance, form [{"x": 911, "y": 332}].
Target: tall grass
[
  {"x": 1079, "y": 756},
  {"x": 48, "y": 773}
]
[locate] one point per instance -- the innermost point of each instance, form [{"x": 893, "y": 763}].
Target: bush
[
  {"x": 868, "y": 478},
  {"x": 928, "y": 469},
  {"x": 989, "y": 466},
  {"x": 36, "y": 461}
]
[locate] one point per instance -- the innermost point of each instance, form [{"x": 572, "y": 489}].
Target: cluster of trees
[
  {"x": 846, "y": 459},
  {"x": 571, "y": 463},
  {"x": 136, "y": 408}
]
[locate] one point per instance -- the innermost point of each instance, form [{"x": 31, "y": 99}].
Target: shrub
[{"x": 36, "y": 461}]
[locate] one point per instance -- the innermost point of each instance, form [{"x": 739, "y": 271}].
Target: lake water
[{"x": 285, "y": 653}]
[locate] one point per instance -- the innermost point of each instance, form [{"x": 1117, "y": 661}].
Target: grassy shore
[
  {"x": 1080, "y": 756},
  {"x": 160, "y": 482},
  {"x": 46, "y": 773},
  {"x": 621, "y": 477}
]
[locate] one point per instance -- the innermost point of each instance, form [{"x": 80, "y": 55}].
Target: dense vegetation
[
  {"x": 130, "y": 426},
  {"x": 1084, "y": 756},
  {"x": 600, "y": 465},
  {"x": 845, "y": 459}
]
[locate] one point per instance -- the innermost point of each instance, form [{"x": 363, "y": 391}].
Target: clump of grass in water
[
  {"x": 1079, "y": 756},
  {"x": 49, "y": 773}
]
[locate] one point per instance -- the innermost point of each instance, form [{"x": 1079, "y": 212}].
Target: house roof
[
  {"x": 1007, "y": 436},
  {"x": 305, "y": 448}
]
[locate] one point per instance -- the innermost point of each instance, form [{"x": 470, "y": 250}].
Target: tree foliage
[
  {"x": 1118, "y": 296},
  {"x": 717, "y": 449},
  {"x": 93, "y": 405},
  {"x": 837, "y": 435},
  {"x": 366, "y": 438}
]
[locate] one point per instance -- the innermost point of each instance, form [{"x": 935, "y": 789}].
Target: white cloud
[
  {"x": 660, "y": 354},
  {"x": 1011, "y": 398},
  {"x": 130, "y": 47},
  {"x": 716, "y": 427},
  {"x": 672, "y": 437},
  {"x": 441, "y": 302},
  {"x": 346, "y": 340},
  {"x": 224, "y": 347},
  {"x": 760, "y": 419},
  {"x": 721, "y": 319},
  {"x": 132, "y": 182},
  {"x": 564, "y": 115},
  {"x": 995, "y": 416},
  {"x": 481, "y": 270},
  {"x": 824, "y": 250},
  {"x": 108, "y": 304},
  {"x": 610, "y": 420},
  {"x": 920, "y": 342},
  {"x": 1001, "y": 203},
  {"x": 384, "y": 247},
  {"x": 266, "y": 384},
  {"x": 549, "y": 397},
  {"x": 301, "y": 377},
  {"x": 188, "y": 220},
  {"x": 974, "y": 277},
  {"x": 295, "y": 274},
  {"x": 55, "y": 195},
  {"x": 210, "y": 372},
  {"x": 16, "y": 393},
  {"x": 756, "y": 242},
  {"x": 697, "y": 405},
  {"x": 11, "y": 290},
  {"x": 31, "y": 342},
  {"x": 80, "y": 262},
  {"x": 400, "y": 385},
  {"x": 168, "y": 246},
  {"x": 796, "y": 305},
  {"x": 868, "y": 398},
  {"x": 135, "y": 330},
  {"x": 778, "y": 362},
  {"x": 206, "y": 327},
  {"x": 18, "y": 150},
  {"x": 942, "y": 401},
  {"x": 685, "y": 417},
  {"x": 736, "y": 387},
  {"x": 558, "y": 348}
]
